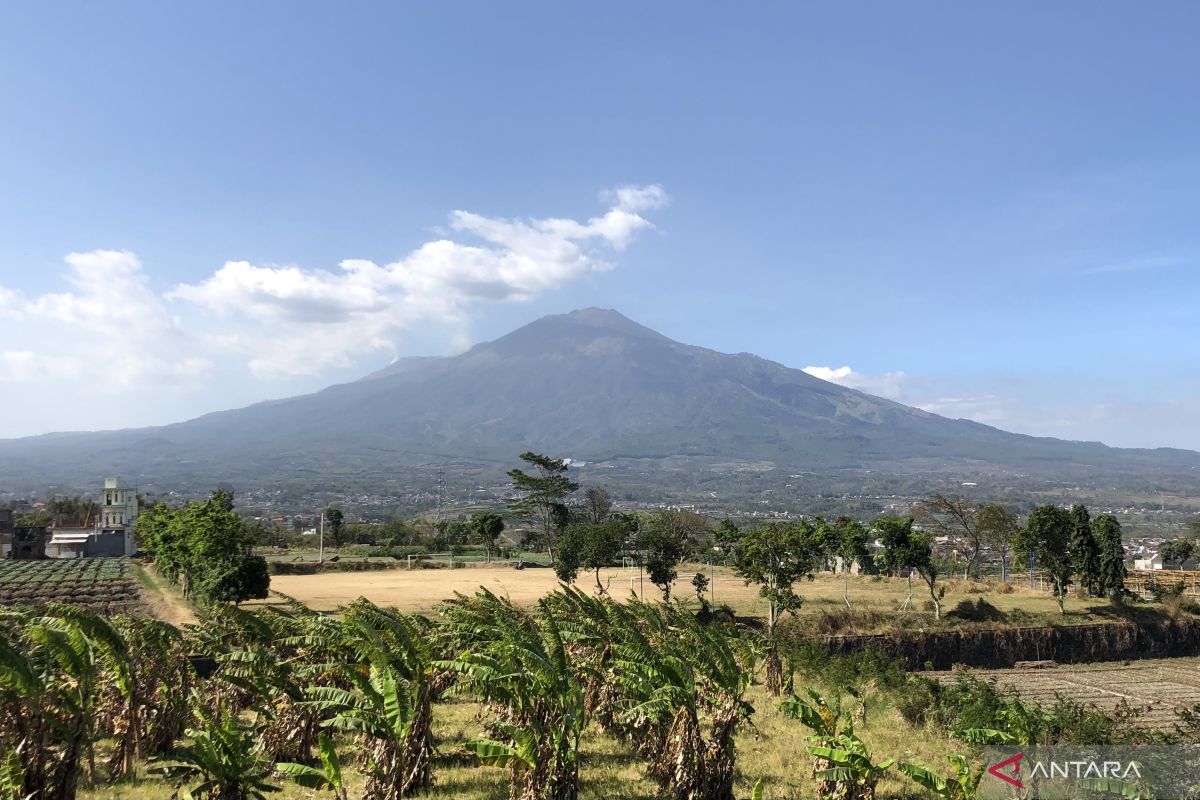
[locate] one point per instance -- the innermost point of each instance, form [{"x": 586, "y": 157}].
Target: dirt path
[{"x": 164, "y": 601}]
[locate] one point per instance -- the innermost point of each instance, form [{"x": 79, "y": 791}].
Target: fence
[{"x": 1142, "y": 582}]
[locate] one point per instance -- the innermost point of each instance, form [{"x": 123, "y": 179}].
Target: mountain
[{"x": 591, "y": 385}]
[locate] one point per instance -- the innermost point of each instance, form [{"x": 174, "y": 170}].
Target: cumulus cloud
[
  {"x": 887, "y": 384},
  {"x": 110, "y": 332},
  {"x": 288, "y": 320}
]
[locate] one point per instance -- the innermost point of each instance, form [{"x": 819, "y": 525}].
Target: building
[
  {"x": 111, "y": 534},
  {"x": 6, "y": 532},
  {"x": 1148, "y": 562}
]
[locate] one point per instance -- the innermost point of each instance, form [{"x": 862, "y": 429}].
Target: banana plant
[
  {"x": 12, "y": 777},
  {"x": 518, "y": 663},
  {"x": 380, "y": 712},
  {"x": 852, "y": 774},
  {"x": 327, "y": 776},
  {"x": 961, "y": 784},
  {"x": 222, "y": 758}
]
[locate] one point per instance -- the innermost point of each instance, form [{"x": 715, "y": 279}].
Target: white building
[
  {"x": 110, "y": 535},
  {"x": 1153, "y": 561},
  {"x": 118, "y": 511}
]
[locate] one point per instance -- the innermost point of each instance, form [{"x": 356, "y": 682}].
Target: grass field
[
  {"x": 1156, "y": 688},
  {"x": 422, "y": 589}
]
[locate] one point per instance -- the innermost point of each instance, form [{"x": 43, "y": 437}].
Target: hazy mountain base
[{"x": 653, "y": 420}]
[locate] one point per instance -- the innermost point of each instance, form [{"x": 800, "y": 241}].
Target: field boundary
[{"x": 999, "y": 648}]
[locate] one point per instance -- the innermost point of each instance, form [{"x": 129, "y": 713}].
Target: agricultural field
[
  {"x": 880, "y": 598},
  {"x": 1154, "y": 688},
  {"x": 105, "y": 585}
]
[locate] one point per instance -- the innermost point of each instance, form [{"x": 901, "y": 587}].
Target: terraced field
[
  {"x": 106, "y": 585},
  {"x": 1156, "y": 687}
]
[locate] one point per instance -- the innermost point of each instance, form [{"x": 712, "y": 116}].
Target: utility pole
[{"x": 321, "y": 551}]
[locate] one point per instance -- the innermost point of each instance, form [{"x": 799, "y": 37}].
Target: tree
[
  {"x": 848, "y": 540},
  {"x": 236, "y": 580},
  {"x": 1193, "y": 526},
  {"x": 542, "y": 493},
  {"x": 1177, "y": 551},
  {"x": 1085, "y": 554},
  {"x": 997, "y": 526},
  {"x": 917, "y": 555},
  {"x": 893, "y": 533},
  {"x": 956, "y": 518},
  {"x": 588, "y": 545},
  {"x": 335, "y": 518},
  {"x": 1047, "y": 536},
  {"x": 774, "y": 556},
  {"x": 1111, "y": 574},
  {"x": 206, "y": 547},
  {"x": 700, "y": 584},
  {"x": 663, "y": 547},
  {"x": 486, "y": 527},
  {"x": 726, "y": 536},
  {"x": 597, "y": 505}
]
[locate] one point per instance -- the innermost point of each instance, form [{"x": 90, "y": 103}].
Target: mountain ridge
[{"x": 592, "y": 384}]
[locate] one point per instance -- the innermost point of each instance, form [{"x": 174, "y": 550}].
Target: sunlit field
[{"x": 420, "y": 590}]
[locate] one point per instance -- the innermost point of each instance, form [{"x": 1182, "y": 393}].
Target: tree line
[{"x": 206, "y": 548}]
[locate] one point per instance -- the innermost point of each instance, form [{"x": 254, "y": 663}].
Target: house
[
  {"x": 1149, "y": 561},
  {"x": 112, "y": 533}
]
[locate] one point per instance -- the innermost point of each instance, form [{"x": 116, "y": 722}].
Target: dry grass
[
  {"x": 420, "y": 590},
  {"x": 163, "y": 600}
]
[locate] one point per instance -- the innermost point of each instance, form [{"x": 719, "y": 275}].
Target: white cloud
[
  {"x": 293, "y": 321},
  {"x": 112, "y": 330},
  {"x": 988, "y": 409},
  {"x": 107, "y": 334},
  {"x": 887, "y": 384}
]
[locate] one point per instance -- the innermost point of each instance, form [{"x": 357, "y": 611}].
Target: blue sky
[{"x": 985, "y": 211}]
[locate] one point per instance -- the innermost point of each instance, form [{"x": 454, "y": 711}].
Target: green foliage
[
  {"x": 1047, "y": 535},
  {"x": 486, "y": 527},
  {"x": 327, "y": 776},
  {"x": 850, "y": 542},
  {"x": 206, "y": 547},
  {"x": 221, "y": 761},
  {"x": 961, "y": 784},
  {"x": 1085, "y": 552},
  {"x": 774, "y": 556},
  {"x": 335, "y": 518},
  {"x": 591, "y": 546},
  {"x": 1111, "y": 562},
  {"x": 894, "y": 534},
  {"x": 1177, "y": 551},
  {"x": 664, "y": 539},
  {"x": 518, "y": 662},
  {"x": 541, "y": 496}
]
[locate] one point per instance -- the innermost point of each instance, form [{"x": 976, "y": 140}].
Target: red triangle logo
[{"x": 1011, "y": 766}]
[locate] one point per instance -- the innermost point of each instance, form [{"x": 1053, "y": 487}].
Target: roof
[{"x": 69, "y": 538}]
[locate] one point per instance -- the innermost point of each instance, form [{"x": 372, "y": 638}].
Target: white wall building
[{"x": 118, "y": 511}]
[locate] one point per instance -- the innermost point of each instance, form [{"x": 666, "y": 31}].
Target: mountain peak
[
  {"x": 606, "y": 319},
  {"x": 575, "y": 328}
]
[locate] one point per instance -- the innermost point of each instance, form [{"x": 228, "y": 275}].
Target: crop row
[{"x": 102, "y": 584}]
